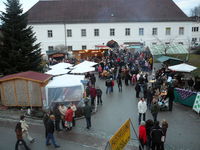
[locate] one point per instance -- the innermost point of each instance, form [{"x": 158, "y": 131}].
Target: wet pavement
[{"x": 183, "y": 132}]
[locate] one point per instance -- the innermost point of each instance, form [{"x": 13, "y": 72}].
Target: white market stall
[
  {"x": 82, "y": 69},
  {"x": 182, "y": 68},
  {"x": 56, "y": 72},
  {"x": 61, "y": 65},
  {"x": 85, "y": 64},
  {"x": 65, "y": 88}
]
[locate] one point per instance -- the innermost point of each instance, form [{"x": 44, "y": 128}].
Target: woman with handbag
[{"x": 164, "y": 127}]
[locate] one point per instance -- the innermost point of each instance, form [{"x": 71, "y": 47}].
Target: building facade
[{"x": 97, "y": 22}]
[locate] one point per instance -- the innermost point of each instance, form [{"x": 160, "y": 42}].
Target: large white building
[{"x": 82, "y": 24}]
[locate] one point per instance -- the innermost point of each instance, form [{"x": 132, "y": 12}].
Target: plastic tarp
[
  {"x": 65, "y": 88},
  {"x": 61, "y": 65},
  {"x": 57, "y": 71},
  {"x": 86, "y": 64},
  {"x": 182, "y": 68},
  {"x": 83, "y": 69},
  {"x": 171, "y": 49}
]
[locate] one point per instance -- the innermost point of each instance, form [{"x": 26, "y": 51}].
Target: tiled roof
[
  {"x": 100, "y": 11},
  {"x": 29, "y": 75}
]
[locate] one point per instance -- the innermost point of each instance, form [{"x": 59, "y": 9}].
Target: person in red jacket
[
  {"x": 93, "y": 94},
  {"x": 142, "y": 135},
  {"x": 69, "y": 118}
]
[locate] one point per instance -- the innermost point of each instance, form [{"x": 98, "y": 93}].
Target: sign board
[
  {"x": 119, "y": 140},
  {"x": 196, "y": 106}
]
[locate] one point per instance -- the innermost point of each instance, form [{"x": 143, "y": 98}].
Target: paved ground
[{"x": 183, "y": 132}]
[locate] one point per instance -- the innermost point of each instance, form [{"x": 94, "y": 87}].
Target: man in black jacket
[
  {"x": 87, "y": 111},
  {"x": 156, "y": 135},
  {"x": 50, "y": 131}
]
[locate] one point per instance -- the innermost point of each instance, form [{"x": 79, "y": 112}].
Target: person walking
[
  {"x": 25, "y": 128},
  {"x": 93, "y": 94},
  {"x": 142, "y": 108},
  {"x": 170, "y": 95},
  {"x": 137, "y": 89},
  {"x": 62, "y": 108},
  {"x": 149, "y": 97},
  {"x": 108, "y": 84},
  {"x": 119, "y": 82},
  {"x": 149, "y": 125},
  {"x": 50, "y": 131},
  {"x": 87, "y": 111},
  {"x": 164, "y": 126},
  {"x": 156, "y": 135},
  {"x": 142, "y": 135},
  {"x": 154, "y": 109},
  {"x": 45, "y": 121},
  {"x": 57, "y": 115},
  {"x": 99, "y": 95},
  {"x": 18, "y": 131},
  {"x": 69, "y": 118}
]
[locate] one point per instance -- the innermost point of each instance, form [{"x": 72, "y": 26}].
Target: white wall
[{"x": 104, "y": 29}]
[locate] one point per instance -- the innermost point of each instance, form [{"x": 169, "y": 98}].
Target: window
[
  {"x": 155, "y": 31},
  {"x": 181, "y": 30},
  {"x": 69, "y": 48},
  {"x": 194, "y": 39},
  {"x": 167, "y": 43},
  {"x": 112, "y": 32},
  {"x": 50, "y": 48},
  {"x": 69, "y": 33},
  {"x": 127, "y": 31},
  {"x": 154, "y": 43},
  {"x": 141, "y": 31},
  {"x": 49, "y": 33},
  {"x": 84, "y": 47},
  {"x": 96, "y": 32},
  {"x": 195, "y": 29},
  {"x": 168, "y": 31},
  {"x": 83, "y": 32},
  {"x": 180, "y": 43}
]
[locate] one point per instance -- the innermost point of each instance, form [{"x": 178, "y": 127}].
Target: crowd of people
[{"x": 134, "y": 69}]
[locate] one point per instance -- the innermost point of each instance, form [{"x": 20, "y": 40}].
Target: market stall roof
[
  {"x": 57, "y": 71},
  {"x": 61, "y": 65},
  {"x": 29, "y": 75},
  {"x": 85, "y": 64},
  {"x": 82, "y": 69},
  {"x": 171, "y": 49},
  {"x": 65, "y": 81},
  {"x": 182, "y": 68},
  {"x": 166, "y": 58}
]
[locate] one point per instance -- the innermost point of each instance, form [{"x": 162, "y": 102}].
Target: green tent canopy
[{"x": 171, "y": 49}]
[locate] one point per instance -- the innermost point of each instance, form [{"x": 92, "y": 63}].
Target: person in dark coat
[
  {"x": 156, "y": 135},
  {"x": 45, "y": 121},
  {"x": 149, "y": 125},
  {"x": 99, "y": 95},
  {"x": 154, "y": 109},
  {"x": 93, "y": 79},
  {"x": 18, "y": 131},
  {"x": 87, "y": 111},
  {"x": 164, "y": 126},
  {"x": 50, "y": 131},
  {"x": 190, "y": 83},
  {"x": 119, "y": 83},
  {"x": 149, "y": 97},
  {"x": 170, "y": 95},
  {"x": 57, "y": 115},
  {"x": 145, "y": 91},
  {"x": 137, "y": 89}
]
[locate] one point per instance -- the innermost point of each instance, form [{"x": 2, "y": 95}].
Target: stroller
[{"x": 163, "y": 103}]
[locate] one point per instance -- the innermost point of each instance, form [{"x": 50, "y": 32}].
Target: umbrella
[{"x": 182, "y": 68}]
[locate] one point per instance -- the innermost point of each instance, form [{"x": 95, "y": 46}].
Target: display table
[{"x": 185, "y": 97}]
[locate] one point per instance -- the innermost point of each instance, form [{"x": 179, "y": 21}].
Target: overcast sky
[{"x": 185, "y": 5}]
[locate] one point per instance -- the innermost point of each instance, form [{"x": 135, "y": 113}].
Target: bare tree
[
  {"x": 195, "y": 11},
  {"x": 61, "y": 47}
]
